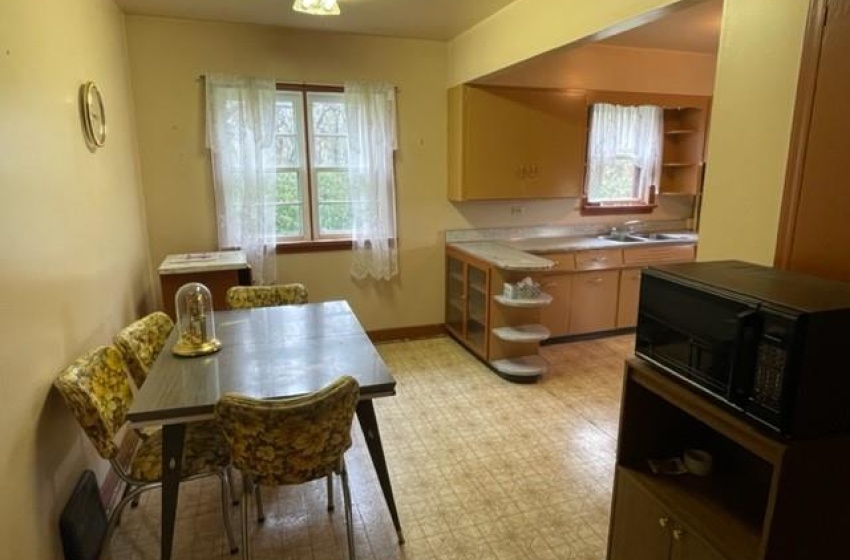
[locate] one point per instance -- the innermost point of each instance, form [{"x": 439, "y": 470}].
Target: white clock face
[{"x": 94, "y": 116}]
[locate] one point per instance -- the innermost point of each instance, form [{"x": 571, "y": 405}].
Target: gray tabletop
[{"x": 266, "y": 352}]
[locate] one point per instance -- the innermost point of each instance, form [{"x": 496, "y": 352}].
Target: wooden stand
[
  {"x": 217, "y": 271},
  {"x": 767, "y": 498}
]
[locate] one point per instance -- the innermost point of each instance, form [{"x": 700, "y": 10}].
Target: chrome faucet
[{"x": 631, "y": 226}]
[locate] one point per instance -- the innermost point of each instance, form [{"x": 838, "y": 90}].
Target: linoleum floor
[{"x": 481, "y": 469}]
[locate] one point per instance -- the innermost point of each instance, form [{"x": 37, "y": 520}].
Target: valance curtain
[
  {"x": 371, "y": 117},
  {"x": 240, "y": 136},
  {"x": 620, "y": 132}
]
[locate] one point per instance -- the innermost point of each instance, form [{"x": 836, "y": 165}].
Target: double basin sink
[{"x": 640, "y": 237}]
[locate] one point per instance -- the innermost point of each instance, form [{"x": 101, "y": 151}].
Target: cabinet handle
[
  {"x": 597, "y": 280},
  {"x": 663, "y": 521},
  {"x": 678, "y": 534}
]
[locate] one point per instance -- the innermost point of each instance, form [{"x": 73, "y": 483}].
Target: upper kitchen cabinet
[{"x": 514, "y": 143}]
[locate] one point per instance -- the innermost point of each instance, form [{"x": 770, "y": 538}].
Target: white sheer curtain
[
  {"x": 240, "y": 136},
  {"x": 618, "y": 133},
  {"x": 371, "y": 115}
]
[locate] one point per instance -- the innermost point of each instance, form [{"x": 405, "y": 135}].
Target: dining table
[{"x": 266, "y": 352}]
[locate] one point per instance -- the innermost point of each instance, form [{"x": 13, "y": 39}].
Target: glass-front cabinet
[{"x": 467, "y": 286}]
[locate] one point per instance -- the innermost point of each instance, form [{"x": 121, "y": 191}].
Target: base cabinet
[
  {"x": 593, "y": 303},
  {"x": 646, "y": 530},
  {"x": 467, "y": 286},
  {"x": 627, "y": 303},
  {"x": 767, "y": 497}
]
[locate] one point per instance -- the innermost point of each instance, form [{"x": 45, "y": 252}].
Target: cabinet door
[
  {"x": 477, "y": 288},
  {"x": 509, "y": 143},
  {"x": 556, "y": 315},
  {"x": 640, "y": 527},
  {"x": 594, "y": 301},
  {"x": 455, "y": 295},
  {"x": 689, "y": 546},
  {"x": 627, "y": 306}
]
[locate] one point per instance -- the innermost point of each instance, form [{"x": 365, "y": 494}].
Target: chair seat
[{"x": 205, "y": 451}]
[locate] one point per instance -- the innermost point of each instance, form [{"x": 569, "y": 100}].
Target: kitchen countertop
[{"x": 519, "y": 254}]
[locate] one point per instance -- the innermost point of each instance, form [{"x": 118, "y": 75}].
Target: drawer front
[
  {"x": 599, "y": 259},
  {"x": 642, "y": 256},
  {"x": 564, "y": 262}
]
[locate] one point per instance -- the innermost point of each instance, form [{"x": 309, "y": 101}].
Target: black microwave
[{"x": 770, "y": 344}]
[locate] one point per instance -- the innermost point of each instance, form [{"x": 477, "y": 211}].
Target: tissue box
[{"x": 525, "y": 289}]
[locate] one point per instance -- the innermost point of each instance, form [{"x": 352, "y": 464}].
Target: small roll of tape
[{"x": 698, "y": 462}]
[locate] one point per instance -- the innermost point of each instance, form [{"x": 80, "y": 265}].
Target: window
[
  {"x": 313, "y": 201},
  {"x": 624, "y": 158}
]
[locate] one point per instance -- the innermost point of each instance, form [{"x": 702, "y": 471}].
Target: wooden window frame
[{"x": 310, "y": 245}]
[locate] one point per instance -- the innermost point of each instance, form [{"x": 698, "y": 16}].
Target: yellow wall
[
  {"x": 176, "y": 167},
  {"x": 526, "y": 28},
  {"x": 756, "y": 84},
  {"x": 74, "y": 260},
  {"x": 611, "y": 68}
]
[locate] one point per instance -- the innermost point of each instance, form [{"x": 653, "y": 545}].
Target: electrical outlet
[{"x": 517, "y": 210}]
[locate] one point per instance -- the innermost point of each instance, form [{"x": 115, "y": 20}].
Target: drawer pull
[
  {"x": 597, "y": 280},
  {"x": 663, "y": 521}
]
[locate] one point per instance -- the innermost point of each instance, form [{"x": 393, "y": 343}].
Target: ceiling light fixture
[{"x": 317, "y": 7}]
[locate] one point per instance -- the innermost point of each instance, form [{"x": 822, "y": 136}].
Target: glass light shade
[
  {"x": 317, "y": 7},
  {"x": 195, "y": 324}
]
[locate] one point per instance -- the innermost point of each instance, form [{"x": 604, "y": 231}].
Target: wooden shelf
[
  {"x": 540, "y": 301},
  {"x": 524, "y": 366},
  {"x": 522, "y": 333}
]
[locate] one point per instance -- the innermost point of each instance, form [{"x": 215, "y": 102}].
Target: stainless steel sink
[
  {"x": 655, "y": 236},
  {"x": 623, "y": 238}
]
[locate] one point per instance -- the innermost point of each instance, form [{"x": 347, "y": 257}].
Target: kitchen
[{"x": 151, "y": 185}]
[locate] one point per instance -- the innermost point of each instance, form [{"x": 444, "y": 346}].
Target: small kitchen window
[{"x": 624, "y": 159}]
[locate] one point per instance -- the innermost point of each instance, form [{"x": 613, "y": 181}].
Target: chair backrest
[
  {"x": 290, "y": 441},
  {"x": 96, "y": 388},
  {"x": 141, "y": 342},
  {"x": 244, "y": 297}
]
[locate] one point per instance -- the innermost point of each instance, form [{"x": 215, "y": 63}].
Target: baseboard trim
[{"x": 407, "y": 333}]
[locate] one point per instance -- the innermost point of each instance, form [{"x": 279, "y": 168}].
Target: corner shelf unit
[{"x": 682, "y": 159}]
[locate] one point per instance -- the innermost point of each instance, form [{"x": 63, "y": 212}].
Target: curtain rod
[{"x": 300, "y": 85}]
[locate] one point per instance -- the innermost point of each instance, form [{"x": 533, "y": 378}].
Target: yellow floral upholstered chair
[
  {"x": 290, "y": 441},
  {"x": 141, "y": 342},
  {"x": 96, "y": 387},
  {"x": 243, "y": 297}
]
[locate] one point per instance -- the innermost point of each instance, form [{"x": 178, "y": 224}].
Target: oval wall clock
[{"x": 94, "y": 116}]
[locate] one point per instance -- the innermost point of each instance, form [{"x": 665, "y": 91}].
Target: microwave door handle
[{"x": 744, "y": 356}]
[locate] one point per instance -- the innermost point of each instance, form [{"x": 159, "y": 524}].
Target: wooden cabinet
[
  {"x": 557, "y": 282},
  {"x": 647, "y": 530},
  {"x": 682, "y": 158},
  {"x": 593, "y": 300},
  {"x": 627, "y": 302},
  {"x": 467, "y": 286},
  {"x": 593, "y": 303},
  {"x": 218, "y": 271},
  {"x": 506, "y": 333},
  {"x": 766, "y": 499},
  {"x": 511, "y": 143}
]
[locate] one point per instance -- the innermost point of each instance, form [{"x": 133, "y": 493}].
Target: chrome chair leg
[
  {"x": 349, "y": 521},
  {"x": 330, "y": 492},
  {"x": 224, "y": 476},
  {"x": 261, "y": 515},
  {"x": 247, "y": 491},
  {"x": 234, "y": 495}
]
